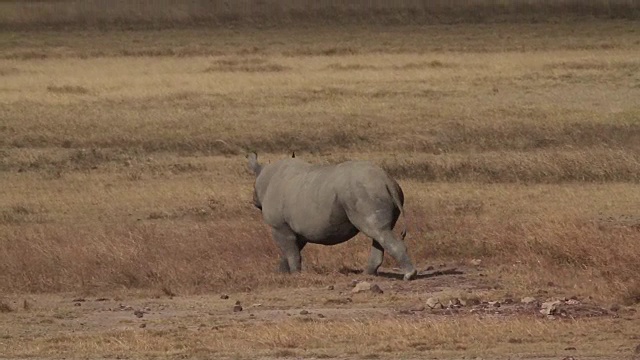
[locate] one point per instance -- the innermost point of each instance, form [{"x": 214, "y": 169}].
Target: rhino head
[{"x": 256, "y": 168}]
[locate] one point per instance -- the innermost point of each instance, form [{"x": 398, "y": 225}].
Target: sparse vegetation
[{"x": 122, "y": 164}]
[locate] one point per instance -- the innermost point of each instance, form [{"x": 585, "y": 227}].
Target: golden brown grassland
[
  {"x": 265, "y": 13},
  {"x": 122, "y": 167}
]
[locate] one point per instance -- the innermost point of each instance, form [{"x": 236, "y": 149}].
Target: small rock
[
  {"x": 224, "y": 296},
  {"x": 77, "y": 304},
  {"x": 237, "y": 308},
  {"x": 476, "y": 262},
  {"x": 572, "y": 302},
  {"x": 252, "y": 315},
  {"x": 454, "y": 303},
  {"x": 470, "y": 302},
  {"x": 376, "y": 289},
  {"x": 143, "y": 325},
  {"x": 528, "y": 300},
  {"x": 615, "y": 308},
  {"x": 570, "y": 348},
  {"x": 361, "y": 287},
  {"x": 79, "y": 300},
  {"x": 330, "y": 287},
  {"x": 549, "y": 307},
  {"x": 102, "y": 299},
  {"x": 354, "y": 282},
  {"x": 138, "y": 313},
  {"x": 434, "y": 303},
  {"x": 304, "y": 312},
  {"x": 147, "y": 309},
  {"x": 494, "y": 303},
  {"x": 508, "y": 301}
]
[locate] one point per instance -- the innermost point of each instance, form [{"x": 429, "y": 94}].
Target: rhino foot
[{"x": 410, "y": 275}]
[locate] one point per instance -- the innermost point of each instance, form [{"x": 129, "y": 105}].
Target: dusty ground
[{"x": 314, "y": 322}]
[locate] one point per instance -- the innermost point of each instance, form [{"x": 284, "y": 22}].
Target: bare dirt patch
[{"x": 299, "y": 321}]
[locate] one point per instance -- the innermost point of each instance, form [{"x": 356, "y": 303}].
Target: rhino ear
[{"x": 254, "y": 166}]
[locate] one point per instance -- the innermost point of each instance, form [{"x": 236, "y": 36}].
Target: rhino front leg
[
  {"x": 290, "y": 247},
  {"x": 398, "y": 250},
  {"x": 375, "y": 258}
]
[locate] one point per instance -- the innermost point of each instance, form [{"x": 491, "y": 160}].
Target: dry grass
[
  {"x": 25, "y": 14},
  {"x": 384, "y": 338},
  {"x": 123, "y": 171}
]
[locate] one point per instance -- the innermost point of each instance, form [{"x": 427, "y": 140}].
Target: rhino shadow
[{"x": 421, "y": 274}]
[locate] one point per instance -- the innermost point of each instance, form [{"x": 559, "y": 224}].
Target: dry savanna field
[{"x": 125, "y": 202}]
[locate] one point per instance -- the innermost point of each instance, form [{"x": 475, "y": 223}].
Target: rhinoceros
[{"x": 330, "y": 204}]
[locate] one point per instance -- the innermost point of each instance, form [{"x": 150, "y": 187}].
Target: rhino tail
[{"x": 395, "y": 195}]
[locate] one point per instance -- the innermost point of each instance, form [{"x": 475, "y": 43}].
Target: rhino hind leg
[
  {"x": 290, "y": 247},
  {"x": 375, "y": 258},
  {"x": 392, "y": 245}
]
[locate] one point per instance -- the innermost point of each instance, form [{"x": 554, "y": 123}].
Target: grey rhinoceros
[{"x": 329, "y": 204}]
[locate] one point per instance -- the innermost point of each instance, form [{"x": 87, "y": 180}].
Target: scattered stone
[
  {"x": 237, "y": 307},
  {"x": 143, "y": 325},
  {"x": 570, "y": 348},
  {"x": 455, "y": 303},
  {"x": 256, "y": 305},
  {"x": 476, "y": 262},
  {"x": 224, "y": 296},
  {"x": 508, "y": 301},
  {"x": 304, "y": 312},
  {"x": 138, "y": 313},
  {"x": 354, "y": 282},
  {"x": 494, "y": 303},
  {"x": 615, "y": 308},
  {"x": 147, "y": 309},
  {"x": 102, "y": 299},
  {"x": 366, "y": 286},
  {"x": 572, "y": 302},
  {"x": 434, "y": 303},
  {"x": 252, "y": 315},
  {"x": 550, "y": 307},
  {"x": 77, "y": 304},
  {"x": 330, "y": 287},
  {"x": 470, "y": 302},
  {"x": 321, "y": 316},
  {"x": 528, "y": 300},
  {"x": 126, "y": 307}
]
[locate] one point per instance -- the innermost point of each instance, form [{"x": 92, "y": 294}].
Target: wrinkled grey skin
[{"x": 328, "y": 205}]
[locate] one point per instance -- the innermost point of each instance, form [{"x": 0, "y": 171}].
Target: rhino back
[{"x": 314, "y": 199}]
